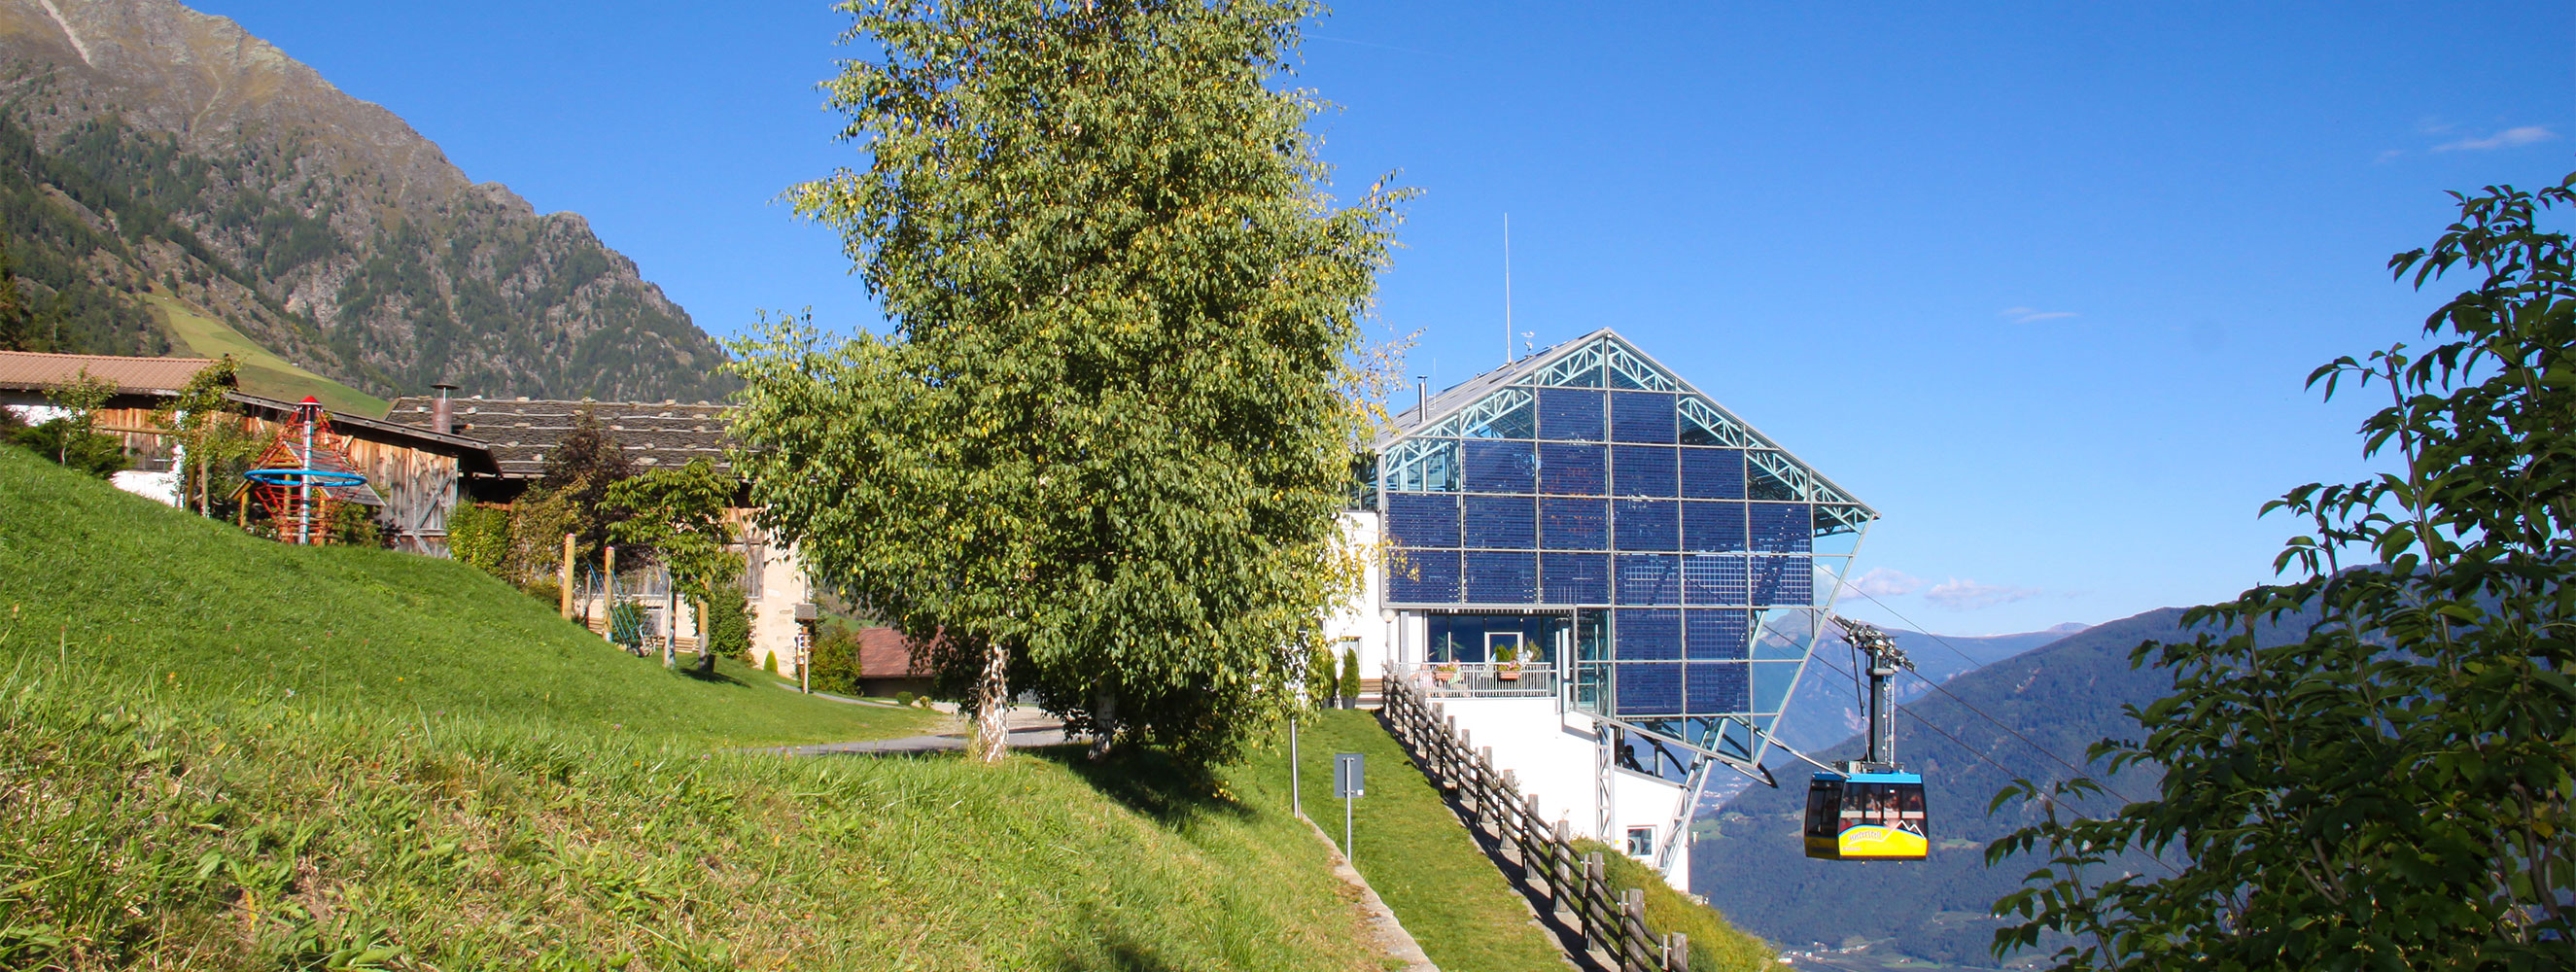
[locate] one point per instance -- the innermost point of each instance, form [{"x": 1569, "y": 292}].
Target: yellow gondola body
[{"x": 1867, "y": 817}]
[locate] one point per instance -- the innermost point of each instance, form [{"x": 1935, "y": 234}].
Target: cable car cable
[{"x": 1981, "y": 713}]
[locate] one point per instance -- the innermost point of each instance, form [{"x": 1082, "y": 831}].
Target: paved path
[{"x": 1029, "y": 727}]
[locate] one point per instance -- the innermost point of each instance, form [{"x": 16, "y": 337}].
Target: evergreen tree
[{"x": 581, "y": 469}]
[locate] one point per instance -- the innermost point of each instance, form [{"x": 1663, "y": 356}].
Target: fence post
[{"x": 1678, "y": 958}]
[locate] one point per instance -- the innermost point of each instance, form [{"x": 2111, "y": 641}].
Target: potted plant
[
  {"x": 1508, "y": 663},
  {"x": 1445, "y": 673}
]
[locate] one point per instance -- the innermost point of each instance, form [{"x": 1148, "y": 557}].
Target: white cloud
[
  {"x": 2026, "y": 315},
  {"x": 1882, "y": 582},
  {"x": 1968, "y": 595},
  {"x": 2509, "y": 138}
]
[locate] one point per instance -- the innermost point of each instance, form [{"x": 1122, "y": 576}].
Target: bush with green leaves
[
  {"x": 70, "y": 443},
  {"x": 2391, "y": 791}
]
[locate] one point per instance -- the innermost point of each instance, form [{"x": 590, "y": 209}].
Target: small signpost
[{"x": 1347, "y": 768}]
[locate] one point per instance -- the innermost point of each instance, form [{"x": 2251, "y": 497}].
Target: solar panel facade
[{"x": 1602, "y": 490}]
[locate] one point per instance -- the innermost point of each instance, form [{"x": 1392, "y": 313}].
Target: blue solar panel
[
  {"x": 1650, "y": 689},
  {"x": 1712, "y": 525},
  {"x": 1646, "y": 525},
  {"x": 1647, "y": 634},
  {"x": 1570, "y": 523},
  {"x": 1717, "y": 687},
  {"x": 1422, "y": 519},
  {"x": 1568, "y": 469},
  {"x": 1649, "y": 579},
  {"x": 1713, "y": 473},
  {"x": 1575, "y": 578},
  {"x": 1713, "y": 579},
  {"x": 1783, "y": 527},
  {"x": 1501, "y": 467},
  {"x": 1783, "y": 581},
  {"x": 1501, "y": 576},
  {"x": 1717, "y": 633},
  {"x": 1423, "y": 577},
  {"x": 1644, "y": 471},
  {"x": 1642, "y": 417},
  {"x": 1569, "y": 413},
  {"x": 1502, "y": 521}
]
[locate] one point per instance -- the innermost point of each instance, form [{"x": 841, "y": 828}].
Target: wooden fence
[{"x": 1574, "y": 884}]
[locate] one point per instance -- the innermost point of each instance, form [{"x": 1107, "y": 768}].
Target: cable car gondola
[
  {"x": 1870, "y": 809},
  {"x": 1866, "y": 817}
]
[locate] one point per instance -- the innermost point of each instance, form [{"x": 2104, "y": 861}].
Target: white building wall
[
  {"x": 1555, "y": 753},
  {"x": 1358, "y": 620},
  {"x": 781, "y": 590}
]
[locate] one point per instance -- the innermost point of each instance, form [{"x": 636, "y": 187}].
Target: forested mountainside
[
  {"x": 153, "y": 158},
  {"x": 1825, "y": 707},
  {"x": 2062, "y": 697}
]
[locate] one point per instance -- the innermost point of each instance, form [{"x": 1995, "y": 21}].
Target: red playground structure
[{"x": 305, "y": 474}]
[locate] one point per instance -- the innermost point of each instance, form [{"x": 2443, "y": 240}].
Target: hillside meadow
[{"x": 222, "y": 753}]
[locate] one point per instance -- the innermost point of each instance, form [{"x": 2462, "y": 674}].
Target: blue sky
[{"x": 2039, "y": 281}]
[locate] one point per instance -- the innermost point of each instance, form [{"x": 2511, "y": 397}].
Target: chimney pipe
[
  {"x": 1421, "y": 397},
  {"x": 442, "y": 413}
]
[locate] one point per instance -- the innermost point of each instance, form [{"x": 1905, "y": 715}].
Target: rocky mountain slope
[{"x": 148, "y": 150}]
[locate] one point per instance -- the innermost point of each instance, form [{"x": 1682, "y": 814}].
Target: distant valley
[
  {"x": 170, "y": 184},
  {"x": 2062, "y": 697}
]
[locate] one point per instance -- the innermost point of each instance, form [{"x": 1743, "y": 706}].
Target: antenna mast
[{"x": 1507, "y": 288}]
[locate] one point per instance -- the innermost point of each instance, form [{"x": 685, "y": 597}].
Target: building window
[{"x": 1641, "y": 842}]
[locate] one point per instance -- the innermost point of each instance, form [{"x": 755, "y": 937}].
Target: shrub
[
  {"x": 64, "y": 441},
  {"x": 354, "y": 525},
  {"x": 903, "y": 698},
  {"x": 728, "y": 626},
  {"x": 834, "y": 664},
  {"x": 770, "y": 663},
  {"x": 479, "y": 535},
  {"x": 546, "y": 591},
  {"x": 1351, "y": 674}
]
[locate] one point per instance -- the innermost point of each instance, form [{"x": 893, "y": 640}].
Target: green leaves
[
  {"x": 2392, "y": 789},
  {"x": 1108, "y": 434}
]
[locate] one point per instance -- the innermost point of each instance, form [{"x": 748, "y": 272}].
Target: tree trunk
[
  {"x": 1104, "y": 719},
  {"x": 992, "y": 739},
  {"x": 706, "y": 644}
]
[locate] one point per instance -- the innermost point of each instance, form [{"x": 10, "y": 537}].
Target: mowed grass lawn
[
  {"x": 218, "y": 752},
  {"x": 1414, "y": 853}
]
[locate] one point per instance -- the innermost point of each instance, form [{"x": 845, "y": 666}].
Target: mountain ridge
[{"x": 321, "y": 225}]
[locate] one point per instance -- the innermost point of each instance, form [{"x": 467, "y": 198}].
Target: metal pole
[
  {"x": 1349, "y": 853},
  {"x": 1296, "y": 801},
  {"x": 304, "y": 520}
]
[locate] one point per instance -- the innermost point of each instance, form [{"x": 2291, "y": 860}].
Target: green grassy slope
[
  {"x": 148, "y": 592},
  {"x": 1443, "y": 887},
  {"x": 260, "y": 371},
  {"x": 217, "y": 752}
]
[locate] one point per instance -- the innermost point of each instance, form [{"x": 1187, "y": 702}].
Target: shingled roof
[
  {"x": 33, "y": 370},
  {"x": 521, "y": 432}
]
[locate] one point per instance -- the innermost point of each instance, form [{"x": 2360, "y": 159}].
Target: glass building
[{"x": 1639, "y": 550}]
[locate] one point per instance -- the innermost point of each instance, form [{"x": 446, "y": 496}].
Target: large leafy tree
[
  {"x": 681, "y": 514},
  {"x": 1101, "y": 452},
  {"x": 2392, "y": 790}
]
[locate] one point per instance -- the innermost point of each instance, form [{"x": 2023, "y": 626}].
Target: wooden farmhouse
[{"x": 429, "y": 454}]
